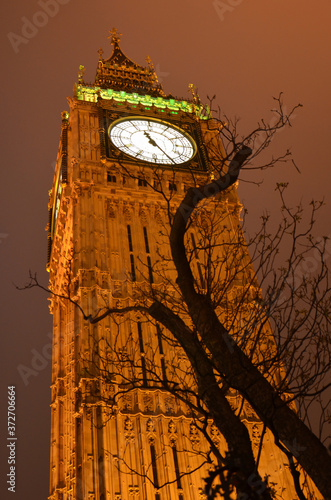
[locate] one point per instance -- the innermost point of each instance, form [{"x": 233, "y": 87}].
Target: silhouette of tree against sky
[{"x": 270, "y": 351}]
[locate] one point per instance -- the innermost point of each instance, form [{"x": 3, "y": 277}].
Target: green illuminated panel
[{"x": 91, "y": 94}]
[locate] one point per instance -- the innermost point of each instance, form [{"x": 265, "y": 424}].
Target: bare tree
[{"x": 270, "y": 350}]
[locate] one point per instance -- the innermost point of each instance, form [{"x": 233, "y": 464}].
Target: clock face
[{"x": 152, "y": 140}]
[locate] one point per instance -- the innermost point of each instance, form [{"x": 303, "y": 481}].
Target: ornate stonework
[{"x": 115, "y": 435}]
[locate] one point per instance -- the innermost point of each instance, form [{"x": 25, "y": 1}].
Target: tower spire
[
  {"x": 118, "y": 72},
  {"x": 114, "y": 36}
]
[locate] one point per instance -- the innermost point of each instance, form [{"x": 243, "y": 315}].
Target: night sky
[{"x": 244, "y": 51}]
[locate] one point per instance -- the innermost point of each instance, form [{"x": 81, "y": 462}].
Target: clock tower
[{"x": 126, "y": 151}]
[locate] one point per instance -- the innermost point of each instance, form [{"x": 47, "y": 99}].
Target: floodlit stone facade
[{"x": 116, "y": 432}]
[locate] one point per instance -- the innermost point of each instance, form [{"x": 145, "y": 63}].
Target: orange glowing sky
[{"x": 245, "y": 55}]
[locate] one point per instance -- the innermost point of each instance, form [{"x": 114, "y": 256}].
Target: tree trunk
[
  {"x": 242, "y": 460},
  {"x": 235, "y": 366}
]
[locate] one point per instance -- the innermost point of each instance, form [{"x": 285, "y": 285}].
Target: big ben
[{"x": 127, "y": 153}]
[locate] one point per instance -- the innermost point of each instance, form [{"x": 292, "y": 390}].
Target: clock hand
[{"x": 151, "y": 141}]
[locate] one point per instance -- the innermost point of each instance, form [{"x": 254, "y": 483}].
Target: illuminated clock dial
[{"x": 152, "y": 140}]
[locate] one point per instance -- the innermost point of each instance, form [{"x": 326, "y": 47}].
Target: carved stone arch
[
  {"x": 150, "y": 431},
  {"x": 128, "y": 429},
  {"x": 127, "y": 211},
  {"x": 150, "y": 425},
  {"x": 110, "y": 209},
  {"x": 194, "y": 434},
  {"x": 143, "y": 214},
  {"x": 256, "y": 434},
  {"x": 158, "y": 215},
  {"x": 172, "y": 430}
]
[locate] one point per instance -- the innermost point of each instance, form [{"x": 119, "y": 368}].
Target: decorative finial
[
  {"x": 150, "y": 64},
  {"x": 114, "y": 36},
  {"x": 152, "y": 68},
  {"x": 100, "y": 52},
  {"x": 81, "y": 73},
  {"x": 191, "y": 90},
  {"x": 194, "y": 91}
]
